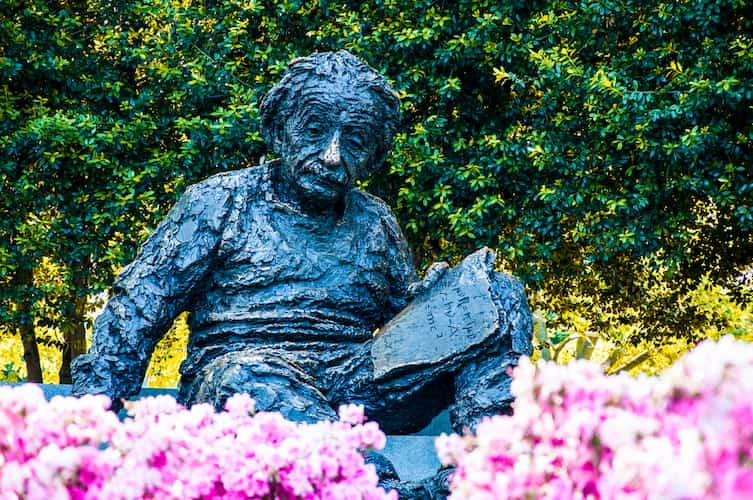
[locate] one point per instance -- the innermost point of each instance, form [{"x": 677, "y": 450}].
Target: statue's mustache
[{"x": 317, "y": 168}]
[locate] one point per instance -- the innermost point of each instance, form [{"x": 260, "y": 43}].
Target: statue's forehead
[{"x": 337, "y": 99}]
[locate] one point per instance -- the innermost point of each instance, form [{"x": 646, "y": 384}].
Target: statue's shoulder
[
  {"x": 366, "y": 202},
  {"x": 227, "y": 191},
  {"x": 215, "y": 198},
  {"x": 245, "y": 181},
  {"x": 377, "y": 210},
  {"x": 376, "y": 214}
]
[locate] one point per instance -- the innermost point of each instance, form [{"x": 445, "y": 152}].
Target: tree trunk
[
  {"x": 24, "y": 280},
  {"x": 74, "y": 335}
]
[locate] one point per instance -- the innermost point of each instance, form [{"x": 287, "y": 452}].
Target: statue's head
[{"x": 332, "y": 119}]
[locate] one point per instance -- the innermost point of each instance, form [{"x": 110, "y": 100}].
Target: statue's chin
[{"x": 321, "y": 197}]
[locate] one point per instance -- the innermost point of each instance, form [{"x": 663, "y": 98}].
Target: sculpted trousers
[{"x": 308, "y": 380}]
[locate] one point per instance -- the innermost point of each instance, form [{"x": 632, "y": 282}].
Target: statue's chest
[{"x": 272, "y": 245}]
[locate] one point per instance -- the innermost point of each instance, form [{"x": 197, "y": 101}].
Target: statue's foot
[{"x": 436, "y": 487}]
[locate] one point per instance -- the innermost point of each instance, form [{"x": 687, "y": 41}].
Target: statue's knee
[
  {"x": 482, "y": 388},
  {"x": 515, "y": 318}
]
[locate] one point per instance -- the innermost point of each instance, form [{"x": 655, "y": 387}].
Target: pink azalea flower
[
  {"x": 577, "y": 433},
  {"x": 75, "y": 448}
]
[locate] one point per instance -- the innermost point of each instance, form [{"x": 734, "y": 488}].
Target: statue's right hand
[{"x": 432, "y": 276}]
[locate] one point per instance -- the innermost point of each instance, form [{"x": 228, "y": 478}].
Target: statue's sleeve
[
  {"x": 150, "y": 292},
  {"x": 402, "y": 270}
]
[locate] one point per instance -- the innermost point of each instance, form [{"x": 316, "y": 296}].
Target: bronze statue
[{"x": 287, "y": 270}]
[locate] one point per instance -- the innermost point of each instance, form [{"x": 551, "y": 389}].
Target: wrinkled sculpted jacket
[{"x": 251, "y": 269}]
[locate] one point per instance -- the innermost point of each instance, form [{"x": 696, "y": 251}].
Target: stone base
[{"x": 414, "y": 457}]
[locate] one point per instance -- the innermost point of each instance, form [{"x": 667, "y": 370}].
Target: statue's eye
[
  {"x": 357, "y": 141},
  {"x": 315, "y": 129}
]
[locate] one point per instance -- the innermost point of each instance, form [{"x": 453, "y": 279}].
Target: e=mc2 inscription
[{"x": 457, "y": 312}]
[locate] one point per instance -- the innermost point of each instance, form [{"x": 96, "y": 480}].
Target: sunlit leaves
[{"x": 574, "y": 138}]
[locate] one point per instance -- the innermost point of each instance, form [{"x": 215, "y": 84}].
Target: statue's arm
[
  {"x": 401, "y": 268},
  {"x": 149, "y": 293}
]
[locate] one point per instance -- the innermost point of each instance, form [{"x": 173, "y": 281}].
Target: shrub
[
  {"x": 666, "y": 317},
  {"x": 75, "y": 448},
  {"x": 12, "y": 366},
  {"x": 577, "y": 433},
  {"x": 169, "y": 353}
]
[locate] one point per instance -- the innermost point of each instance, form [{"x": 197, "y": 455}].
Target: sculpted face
[{"x": 328, "y": 144}]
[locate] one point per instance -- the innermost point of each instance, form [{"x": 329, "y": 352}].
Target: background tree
[
  {"x": 587, "y": 142},
  {"x": 581, "y": 140}
]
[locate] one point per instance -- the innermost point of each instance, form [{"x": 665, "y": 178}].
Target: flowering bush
[
  {"x": 577, "y": 433},
  {"x": 75, "y": 448}
]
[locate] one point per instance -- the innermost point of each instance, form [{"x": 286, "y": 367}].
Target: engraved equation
[{"x": 445, "y": 321}]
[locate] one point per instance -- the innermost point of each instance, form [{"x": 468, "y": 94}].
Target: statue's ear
[
  {"x": 273, "y": 119},
  {"x": 273, "y": 137}
]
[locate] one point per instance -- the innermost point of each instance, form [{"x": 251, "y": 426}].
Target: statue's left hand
[{"x": 432, "y": 276}]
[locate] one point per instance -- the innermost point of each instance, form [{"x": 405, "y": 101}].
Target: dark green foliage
[
  {"x": 576, "y": 138},
  {"x": 579, "y": 139},
  {"x": 579, "y": 135}
]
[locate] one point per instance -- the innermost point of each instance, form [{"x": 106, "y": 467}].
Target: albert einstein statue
[{"x": 287, "y": 270}]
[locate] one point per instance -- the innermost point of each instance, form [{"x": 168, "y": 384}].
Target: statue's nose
[{"x": 332, "y": 153}]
